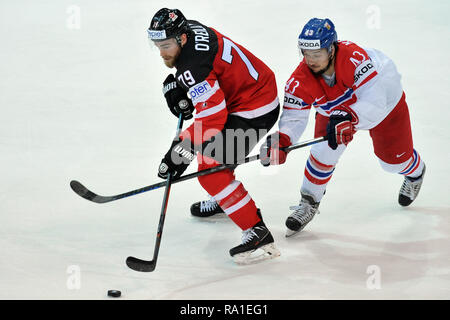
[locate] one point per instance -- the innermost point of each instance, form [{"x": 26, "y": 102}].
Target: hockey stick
[
  {"x": 85, "y": 193},
  {"x": 148, "y": 266},
  {"x": 144, "y": 265}
]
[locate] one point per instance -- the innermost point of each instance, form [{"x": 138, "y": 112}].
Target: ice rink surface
[{"x": 81, "y": 99}]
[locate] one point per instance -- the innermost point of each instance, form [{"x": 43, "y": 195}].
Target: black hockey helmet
[{"x": 166, "y": 24}]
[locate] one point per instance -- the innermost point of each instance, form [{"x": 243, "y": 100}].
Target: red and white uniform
[
  {"x": 367, "y": 85},
  {"x": 223, "y": 78}
]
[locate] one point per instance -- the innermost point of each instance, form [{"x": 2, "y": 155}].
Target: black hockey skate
[
  {"x": 257, "y": 237},
  {"x": 206, "y": 208},
  {"x": 410, "y": 189},
  {"x": 302, "y": 215}
]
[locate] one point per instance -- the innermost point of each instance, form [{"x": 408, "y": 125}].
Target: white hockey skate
[
  {"x": 302, "y": 215},
  {"x": 410, "y": 189}
]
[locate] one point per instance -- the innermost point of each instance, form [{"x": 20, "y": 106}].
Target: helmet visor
[
  {"x": 313, "y": 55},
  {"x": 163, "y": 45}
]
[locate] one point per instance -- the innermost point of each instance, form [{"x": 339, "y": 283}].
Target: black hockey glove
[
  {"x": 177, "y": 99},
  {"x": 177, "y": 159},
  {"x": 339, "y": 128}
]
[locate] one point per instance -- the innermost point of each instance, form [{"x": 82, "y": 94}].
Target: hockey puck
[{"x": 114, "y": 293}]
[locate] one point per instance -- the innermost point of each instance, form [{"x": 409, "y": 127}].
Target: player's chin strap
[
  {"x": 178, "y": 38},
  {"x": 331, "y": 56}
]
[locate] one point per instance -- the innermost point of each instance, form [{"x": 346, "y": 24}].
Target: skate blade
[
  {"x": 290, "y": 233},
  {"x": 217, "y": 216},
  {"x": 255, "y": 256}
]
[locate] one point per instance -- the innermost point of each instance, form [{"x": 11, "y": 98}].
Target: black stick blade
[
  {"x": 84, "y": 192},
  {"x": 141, "y": 265}
]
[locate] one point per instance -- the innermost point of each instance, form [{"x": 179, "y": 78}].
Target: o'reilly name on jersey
[{"x": 201, "y": 37}]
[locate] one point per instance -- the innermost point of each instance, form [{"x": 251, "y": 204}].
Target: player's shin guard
[
  {"x": 414, "y": 166},
  {"x": 235, "y": 201},
  {"x": 238, "y": 205},
  {"x": 317, "y": 176},
  {"x": 231, "y": 196}
]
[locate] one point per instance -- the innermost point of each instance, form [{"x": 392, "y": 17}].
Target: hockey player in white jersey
[{"x": 351, "y": 89}]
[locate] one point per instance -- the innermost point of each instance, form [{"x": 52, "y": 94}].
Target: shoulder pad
[{"x": 195, "y": 62}]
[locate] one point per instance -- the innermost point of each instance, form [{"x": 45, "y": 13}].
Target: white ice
[{"x": 80, "y": 98}]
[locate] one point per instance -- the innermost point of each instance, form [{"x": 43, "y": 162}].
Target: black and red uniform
[{"x": 231, "y": 89}]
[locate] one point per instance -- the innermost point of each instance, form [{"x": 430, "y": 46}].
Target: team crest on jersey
[{"x": 173, "y": 16}]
